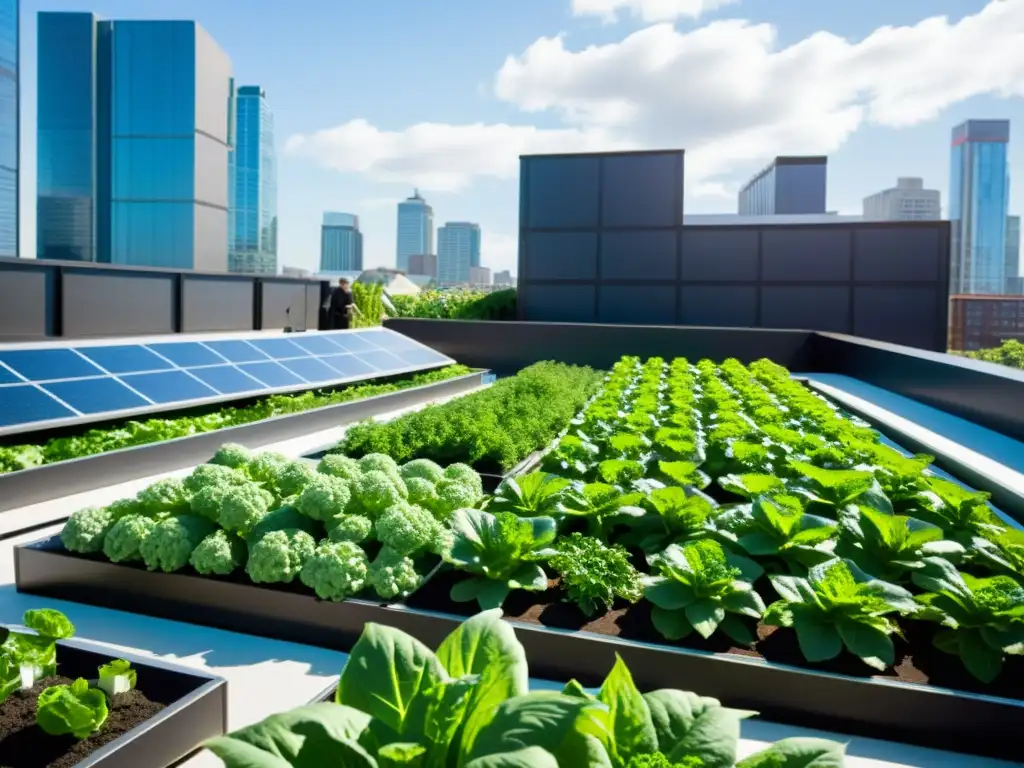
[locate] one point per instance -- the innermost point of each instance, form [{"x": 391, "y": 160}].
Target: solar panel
[
  {"x": 64, "y": 382},
  {"x": 26, "y": 404},
  {"x": 48, "y": 364}
]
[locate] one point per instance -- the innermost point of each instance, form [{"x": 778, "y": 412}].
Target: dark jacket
[{"x": 341, "y": 300}]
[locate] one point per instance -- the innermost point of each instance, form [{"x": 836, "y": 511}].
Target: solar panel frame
[{"x": 230, "y": 349}]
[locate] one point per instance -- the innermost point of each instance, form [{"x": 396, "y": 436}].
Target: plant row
[
  {"x": 341, "y": 528},
  {"x": 155, "y": 430},
  {"x": 77, "y": 709},
  {"x": 468, "y": 705},
  {"x": 496, "y": 427},
  {"x": 719, "y": 475},
  {"x": 458, "y": 305}
]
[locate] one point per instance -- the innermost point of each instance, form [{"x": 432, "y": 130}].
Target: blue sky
[{"x": 372, "y": 97}]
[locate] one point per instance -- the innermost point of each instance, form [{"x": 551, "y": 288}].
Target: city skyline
[
  {"x": 458, "y": 251},
  {"x": 341, "y": 243},
  {"x": 471, "y": 175},
  {"x": 9, "y": 148}
]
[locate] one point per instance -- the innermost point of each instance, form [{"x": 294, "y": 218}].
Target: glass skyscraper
[
  {"x": 415, "y": 230},
  {"x": 134, "y": 129},
  {"x": 341, "y": 243},
  {"x": 9, "y": 145},
  {"x": 253, "y": 246},
  {"x": 458, "y": 249},
  {"x": 979, "y": 200}
]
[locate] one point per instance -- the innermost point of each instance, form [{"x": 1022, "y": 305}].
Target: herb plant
[{"x": 594, "y": 574}]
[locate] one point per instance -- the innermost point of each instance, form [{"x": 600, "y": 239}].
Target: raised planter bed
[
  {"x": 179, "y": 708},
  {"x": 52, "y": 481},
  {"x": 829, "y": 699}
]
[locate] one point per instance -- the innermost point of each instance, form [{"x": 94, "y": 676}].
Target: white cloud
[
  {"x": 727, "y": 92},
  {"x": 647, "y": 10},
  {"x": 438, "y": 156},
  {"x": 499, "y": 251}
]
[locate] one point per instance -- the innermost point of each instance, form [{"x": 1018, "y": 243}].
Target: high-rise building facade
[
  {"x": 458, "y": 249},
  {"x": 979, "y": 201},
  {"x": 415, "y": 230},
  {"x": 503, "y": 278},
  {"x": 907, "y": 201},
  {"x": 423, "y": 264},
  {"x": 341, "y": 243},
  {"x": 253, "y": 163},
  {"x": 9, "y": 131},
  {"x": 1012, "y": 255},
  {"x": 480, "y": 277},
  {"x": 135, "y": 124},
  {"x": 787, "y": 185}
]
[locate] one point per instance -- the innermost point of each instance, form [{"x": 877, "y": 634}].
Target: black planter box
[
  {"x": 914, "y": 714},
  {"x": 196, "y": 707},
  {"x": 53, "y": 481}
]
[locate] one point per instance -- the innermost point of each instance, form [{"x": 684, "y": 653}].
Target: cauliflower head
[
  {"x": 466, "y": 475},
  {"x": 336, "y": 570}
]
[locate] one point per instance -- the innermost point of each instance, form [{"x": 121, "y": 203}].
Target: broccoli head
[
  {"x": 421, "y": 468},
  {"x": 354, "y": 528},
  {"x": 392, "y": 575},
  {"x": 163, "y": 496},
  {"x": 232, "y": 455},
  {"x": 219, "y": 553},
  {"x": 278, "y": 556},
  {"x": 206, "y": 475},
  {"x": 453, "y": 495},
  {"x": 206, "y": 503},
  {"x": 324, "y": 498},
  {"x": 410, "y": 530},
  {"x": 422, "y": 492},
  {"x": 292, "y": 478},
  {"x": 376, "y": 491},
  {"x": 124, "y": 507},
  {"x": 379, "y": 462},
  {"x": 123, "y": 542},
  {"x": 170, "y": 545},
  {"x": 241, "y": 508},
  {"x": 285, "y": 518},
  {"x": 86, "y": 529},
  {"x": 340, "y": 465},
  {"x": 466, "y": 475},
  {"x": 336, "y": 570},
  {"x": 263, "y": 467}
]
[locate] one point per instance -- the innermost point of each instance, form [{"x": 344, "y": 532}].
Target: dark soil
[
  {"x": 23, "y": 744},
  {"x": 917, "y": 660}
]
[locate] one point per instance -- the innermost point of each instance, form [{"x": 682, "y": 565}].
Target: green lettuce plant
[
  {"x": 837, "y": 606},
  {"x": 778, "y": 527},
  {"x": 75, "y": 709}
]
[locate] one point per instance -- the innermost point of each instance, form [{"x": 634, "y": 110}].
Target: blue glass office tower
[
  {"x": 135, "y": 125},
  {"x": 415, "y": 230},
  {"x": 788, "y": 185},
  {"x": 253, "y": 163},
  {"x": 458, "y": 249},
  {"x": 979, "y": 200},
  {"x": 9, "y": 128},
  {"x": 341, "y": 243}
]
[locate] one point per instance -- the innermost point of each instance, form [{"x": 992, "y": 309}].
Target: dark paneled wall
[
  {"x": 40, "y": 299},
  {"x": 602, "y": 240}
]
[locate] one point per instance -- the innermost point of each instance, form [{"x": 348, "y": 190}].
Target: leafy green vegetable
[
  {"x": 501, "y": 552},
  {"x": 779, "y": 528},
  {"x": 983, "y": 618},
  {"x": 593, "y": 574},
  {"x": 533, "y": 495},
  {"x": 600, "y": 505},
  {"x": 800, "y": 752},
  {"x": 675, "y": 517},
  {"x": 830, "y": 490},
  {"x": 74, "y": 709},
  {"x": 700, "y": 586},
  {"x": 839, "y": 605},
  {"x": 117, "y": 677}
]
